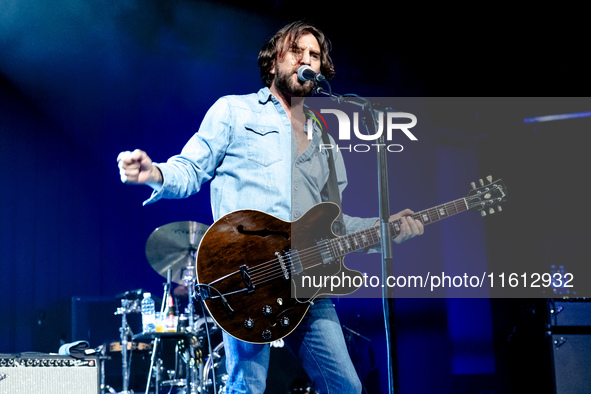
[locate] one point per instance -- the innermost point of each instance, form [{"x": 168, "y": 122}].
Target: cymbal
[{"x": 174, "y": 246}]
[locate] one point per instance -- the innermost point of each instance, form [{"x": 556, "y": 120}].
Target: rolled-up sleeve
[{"x": 184, "y": 174}]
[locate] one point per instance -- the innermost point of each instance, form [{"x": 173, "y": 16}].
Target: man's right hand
[{"x": 136, "y": 168}]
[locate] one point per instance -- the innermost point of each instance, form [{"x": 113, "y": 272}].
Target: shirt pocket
[{"x": 263, "y": 144}]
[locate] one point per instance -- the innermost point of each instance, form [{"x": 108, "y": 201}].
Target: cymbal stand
[
  {"x": 167, "y": 286},
  {"x": 127, "y": 306},
  {"x": 102, "y": 352},
  {"x": 188, "y": 275},
  {"x": 209, "y": 359}
]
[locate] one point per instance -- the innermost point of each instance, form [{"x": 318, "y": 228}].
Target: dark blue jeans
[{"x": 318, "y": 342}]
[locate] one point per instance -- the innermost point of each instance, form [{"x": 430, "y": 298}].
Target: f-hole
[{"x": 262, "y": 233}]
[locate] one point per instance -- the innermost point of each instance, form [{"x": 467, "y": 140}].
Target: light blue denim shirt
[{"x": 246, "y": 148}]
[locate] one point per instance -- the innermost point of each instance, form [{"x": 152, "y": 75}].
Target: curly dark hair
[{"x": 285, "y": 39}]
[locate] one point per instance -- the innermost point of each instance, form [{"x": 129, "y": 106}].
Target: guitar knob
[
  {"x": 267, "y": 310},
  {"x": 266, "y": 335},
  {"x": 284, "y": 321},
  {"x": 249, "y": 323}
]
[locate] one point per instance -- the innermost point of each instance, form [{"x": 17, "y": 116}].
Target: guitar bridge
[{"x": 283, "y": 265}]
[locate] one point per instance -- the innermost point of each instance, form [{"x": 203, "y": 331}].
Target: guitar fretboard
[{"x": 360, "y": 240}]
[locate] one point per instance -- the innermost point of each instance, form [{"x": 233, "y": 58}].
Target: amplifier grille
[{"x": 48, "y": 375}]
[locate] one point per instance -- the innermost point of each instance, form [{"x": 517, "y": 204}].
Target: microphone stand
[{"x": 385, "y": 233}]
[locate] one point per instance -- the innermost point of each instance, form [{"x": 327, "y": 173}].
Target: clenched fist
[{"x": 136, "y": 168}]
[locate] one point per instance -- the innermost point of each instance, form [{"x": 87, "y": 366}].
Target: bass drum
[{"x": 286, "y": 374}]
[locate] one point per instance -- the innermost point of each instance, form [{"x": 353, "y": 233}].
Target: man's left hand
[{"x": 409, "y": 227}]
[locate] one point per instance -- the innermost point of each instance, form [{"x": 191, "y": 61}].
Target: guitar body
[
  {"x": 258, "y": 274},
  {"x": 248, "y": 256}
]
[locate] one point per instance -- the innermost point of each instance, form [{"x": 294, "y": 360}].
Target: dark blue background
[{"x": 81, "y": 81}]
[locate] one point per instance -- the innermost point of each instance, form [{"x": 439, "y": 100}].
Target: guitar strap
[{"x": 332, "y": 188}]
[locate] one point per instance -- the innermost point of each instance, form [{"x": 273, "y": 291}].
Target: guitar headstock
[{"x": 488, "y": 196}]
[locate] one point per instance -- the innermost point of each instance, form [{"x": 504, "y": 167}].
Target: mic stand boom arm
[{"x": 385, "y": 233}]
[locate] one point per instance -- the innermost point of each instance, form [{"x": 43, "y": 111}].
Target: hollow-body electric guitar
[{"x": 250, "y": 264}]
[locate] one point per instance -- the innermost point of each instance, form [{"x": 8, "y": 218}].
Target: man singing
[{"x": 256, "y": 152}]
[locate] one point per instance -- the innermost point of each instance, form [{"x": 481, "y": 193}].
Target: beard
[{"x": 290, "y": 86}]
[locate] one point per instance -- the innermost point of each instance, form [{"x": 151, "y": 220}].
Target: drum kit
[{"x": 189, "y": 360}]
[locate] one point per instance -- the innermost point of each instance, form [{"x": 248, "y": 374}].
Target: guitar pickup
[
  {"x": 246, "y": 278},
  {"x": 295, "y": 264},
  {"x": 325, "y": 251}
]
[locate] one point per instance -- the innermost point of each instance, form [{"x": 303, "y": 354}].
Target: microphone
[{"x": 305, "y": 73}]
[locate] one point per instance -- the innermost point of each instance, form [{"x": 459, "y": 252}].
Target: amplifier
[
  {"x": 570, "y": 313},
  {"x": 48, "y": 374},
  {"x": 571, "y": 358}
]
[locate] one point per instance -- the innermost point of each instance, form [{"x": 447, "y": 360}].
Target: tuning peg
[
  {"x": 481, "y": 182},
  {"x": 491, "y": 211},
  {"x": 483, "y": 213},
  {"x": 489, "y": 178},
  {"x": 473, "y": 185},
  {"x": 499, "y": 208}
]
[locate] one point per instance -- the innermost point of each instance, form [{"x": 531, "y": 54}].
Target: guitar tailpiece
[{"x": 204, "y": 293}]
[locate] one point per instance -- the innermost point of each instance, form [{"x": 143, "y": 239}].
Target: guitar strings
[
  {"x": 304, "y": 254},
  {"x": 274, "y": 266},
  {"x": 312, "y": 257},
  {"x": 273, "y": 269},
  {"x": 355, "y": 238}
]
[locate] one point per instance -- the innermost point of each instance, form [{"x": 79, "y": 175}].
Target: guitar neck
[{"x": 371, "y": 236}]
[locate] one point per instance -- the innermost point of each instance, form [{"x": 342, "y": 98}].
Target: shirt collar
[{"x": 264, "y": 95}]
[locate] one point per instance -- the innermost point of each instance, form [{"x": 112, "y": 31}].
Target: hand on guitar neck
[{"x": 409, "y": 227}]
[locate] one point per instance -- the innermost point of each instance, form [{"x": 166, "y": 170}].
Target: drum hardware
[
  {"x": 192, "y": 356},
  {"x": 115, "y": 347},
  {"x": 174, "y": 382},
  {"x": 110, "y": 389},
  {"x": 167, "y": 286},
  {"x": 173, "y": 247},
  {"x": 195, "y": 363},
  {"x": 212, "y": 352},
  {"x": 128, "y": 305},
  {"x": 102, "y": 356},
  {"x": 191, "y": 379},
  {"x": 171, "y": 250},
  {"x": 215, "y": 359},
  {"x": 191, "y": 352}
]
